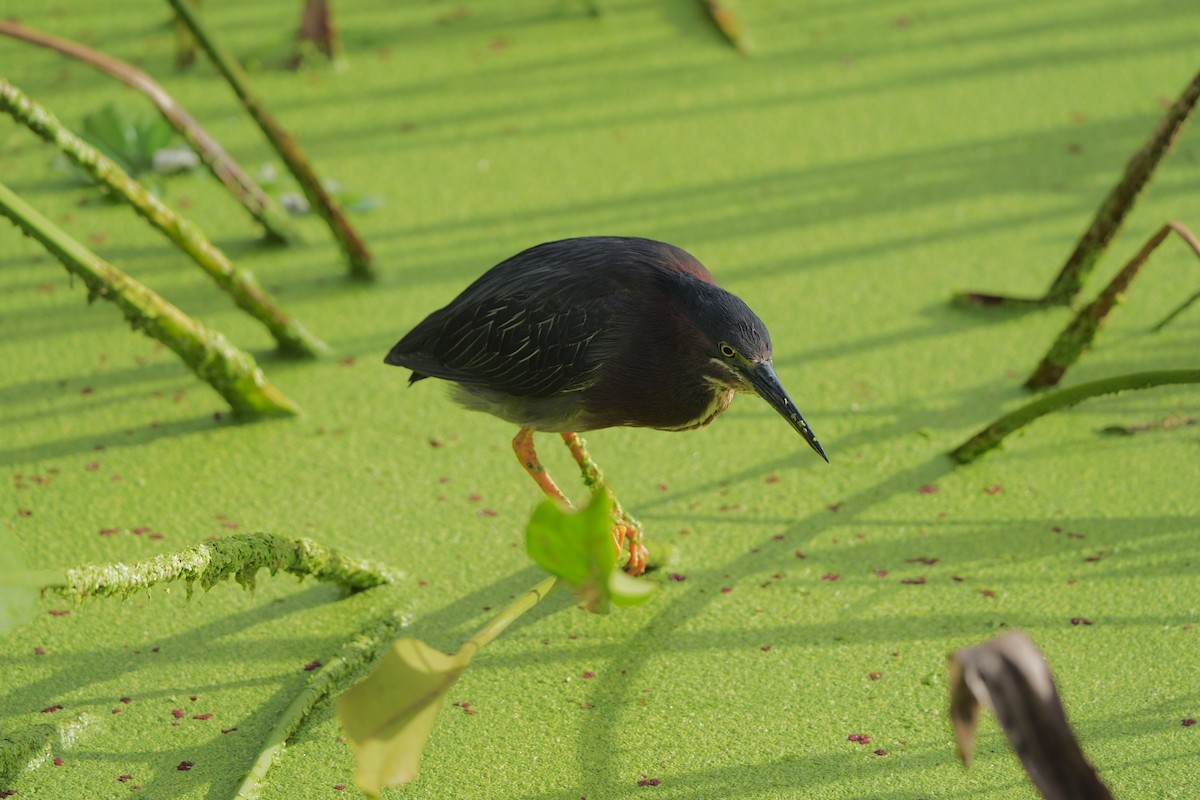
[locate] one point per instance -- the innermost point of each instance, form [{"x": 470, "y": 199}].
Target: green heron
[{"x": 589, "y": 333}]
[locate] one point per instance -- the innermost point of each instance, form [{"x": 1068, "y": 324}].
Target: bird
[{"x": 593, "y": 332}]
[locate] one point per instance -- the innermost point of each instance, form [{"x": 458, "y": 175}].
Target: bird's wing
[{"x": 527, "y": 345}]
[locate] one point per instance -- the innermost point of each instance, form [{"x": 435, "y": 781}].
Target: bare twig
[
  {"x": 1083, "y": 329},
  {"x": 268, "y": 214},
  {"x": 1109, "y": 216},
  {"x": 356, "y": 252}
]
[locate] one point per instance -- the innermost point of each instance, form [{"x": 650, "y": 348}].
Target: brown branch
[{"x": 268, "y": 214}]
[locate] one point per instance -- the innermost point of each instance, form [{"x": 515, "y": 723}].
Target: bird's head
[{"x": 739, "y": 353}]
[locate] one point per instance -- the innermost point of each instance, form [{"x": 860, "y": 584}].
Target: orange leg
[
  {"x": 626, "y": 528},
  {"x": 523, "y": 447}
]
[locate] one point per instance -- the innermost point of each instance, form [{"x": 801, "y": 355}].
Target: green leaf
[
  {"x": 389, "y": 715},
  {"x": 578, "y": 547}
]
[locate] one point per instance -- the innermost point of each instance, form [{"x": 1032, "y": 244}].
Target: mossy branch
[
  {"x": 1111, "y": 214},
  {"x": 239, "y": 557},
  {"x": 991, "y": 436},
  {"x": 289, "y": 334},
  {"x": 350, "y": 657},
  {"x": 230, "y": 371},
  {"x": 1071, "y": 343},
  {"x": 28, "y": 749},
  {"x": 265, "y": 211},
  {"x": 357, "y": 255}
]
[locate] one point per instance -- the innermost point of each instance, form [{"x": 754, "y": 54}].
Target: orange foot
[{"x": 624, "y": 532}]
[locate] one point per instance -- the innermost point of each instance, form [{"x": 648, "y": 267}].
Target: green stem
[
  {"x": 239, "y": 556},
  {"x": 506, "y": 617},
  {"x": 266, "y": 211},
  {"x": 233, "y": 373},
  {"x": 1082, "y": 330},
  {"x": 1111, "y": 214},
  {"x": 30, "y": 748},
  {"x": 349, "y": 658},
  {"x": 357, "y": 255},
  {"x": 991, "y": 436},
  {"x": 289, "y": 334}
]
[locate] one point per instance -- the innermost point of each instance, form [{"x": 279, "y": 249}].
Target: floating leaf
[
  {"x": 132, "y": 140},
  {"x": 389, "y": 715},
  {"x": 1010, "y": 675},
  {"x": 578, "y": 547}
]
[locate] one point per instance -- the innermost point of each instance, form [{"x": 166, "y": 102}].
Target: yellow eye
[{"x": 727, "y": 351}]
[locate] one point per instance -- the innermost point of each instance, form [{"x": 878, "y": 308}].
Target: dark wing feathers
[
  {"x": 544, "y": 321},
  {"x": 520, "y": 345}
]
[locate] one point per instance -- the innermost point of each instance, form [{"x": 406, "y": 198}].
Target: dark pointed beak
[{"x": 766, "y": 383}]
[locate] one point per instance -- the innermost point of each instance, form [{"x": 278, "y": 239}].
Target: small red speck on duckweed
[
  {"x": 994, "y": 489},
  {"x": 193, "y": 698},
  {"x": 859, "y": 738},
  {"x": 39, "y": 651},
  {"x": 487, "y": 512},
  {"x": 677, "y": 576},
  {"x": 228, "y": 730},
  {"x": 1076, "y": 535},
  {"x": 833, "y": 506},
  {"x": 957, "y": 578},
  {"x": 474, "y": 498},
  {"x": 1188, "y": 722},
  {"x": 875, "y": 676},
  {"x": 662, "y": 487},
  {"x": 310, "y": 666},
  {"x": 1096, "y": 557},
  {"x": 772, "y": 479},
  {"x": 25, "y": 512},
  {"x": 339, "y": 787},
  {"x": 348, "y": 361},
  {"x": 178, "y": 713},
  {"x": 1080, "y": 621},
  {"x": 801, "y": 554},
  {"x": 184, "y": 766},
  {"x": 881, "y": 752},
  {"x": 928, "y": 489},
  {"x": 589, "y": 674},
  {"x": 880, "y": 573},
  {"x": 766, "y": 648},
  {"x": 208, "y": 715},
  {"x": 830, "y": 576},
  {"x": 126, "y": 700},
  {"x": 51, "y": 709},
  {"x": 987, "y": 593},
  {"x": 685, "y": 532},
  {"x": 109, "y": 531},
  {"x": 58, "y": 762},
  {"x": 726, "y": 589},
  {"x": 1057, "y": 529},
  {"x": 117, "y": 710},
  {"x": 125, "y": 778},
  {"x": 922, "y": 560},
  {"x": 649, "y": 781},
  {"x": 92, "y": 466},
  {"x": 917, "y": 581},
  {"x": 59, "y": 612}
]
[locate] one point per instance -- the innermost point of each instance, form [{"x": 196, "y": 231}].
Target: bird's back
[{"x": 543, "y": 322}]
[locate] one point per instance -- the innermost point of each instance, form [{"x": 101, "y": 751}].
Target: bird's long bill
[{"x": 767, "y": 384}]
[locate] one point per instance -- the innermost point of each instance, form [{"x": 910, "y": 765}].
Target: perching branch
[
  {"x": 230, "y": 371},
  {"x": 991, "y": 436},
  {"x": 290, "y": 335},
  {"x": 260, "y": 205},
  {"x": 357, "y": 255},
  {"x": 1083, "y": 329},
  {"x": 1110, "y": 215}
]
